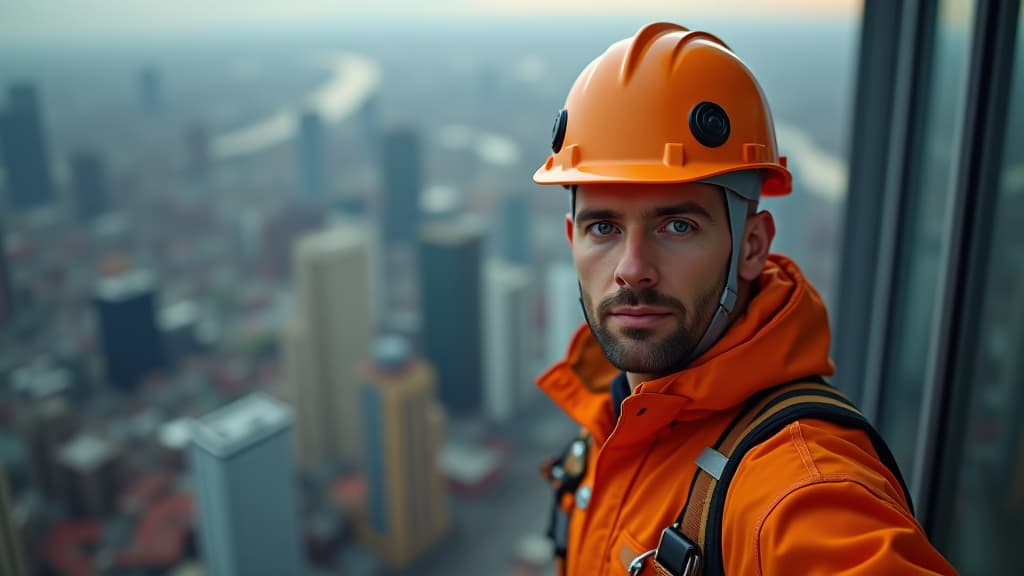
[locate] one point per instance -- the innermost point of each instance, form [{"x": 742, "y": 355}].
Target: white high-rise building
[
  {"x": 244, "y": 479},
  {"x": 326, "y": 341},
  {"x": 564, "y": 314},
  {"x": 509, "y": 368}
]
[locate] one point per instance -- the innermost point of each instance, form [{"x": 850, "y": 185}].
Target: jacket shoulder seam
[
  {"x": 806, "y": 483},
  {"x": 796, "y": 436}
]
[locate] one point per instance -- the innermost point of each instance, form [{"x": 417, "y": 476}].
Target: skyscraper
[
  {"x": 11, "y": 554},
  {"x": 311, "y": 158},
  {"x": 89, "y": 185},
  {"x": 507, "y": 312},
  {"x": 326, "y": 340},
  {"x": 398, "y": 216},
  {"x": 450, "y": 272},
  {"x": 129, "y": 335},
  {"x": 45, "y": 422},
  {"x": 404, "y": 431},
  {"x": 401, "y": 173},
  {"x": 562, "y": 306},
  {"x": 89, "y": 475},
  {"x": 515, "y": 228},
  {"x": 245, "y": 488},
  {"x": 25, "y": 150}
]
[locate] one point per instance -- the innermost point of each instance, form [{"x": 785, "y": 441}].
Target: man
[{"x": 666, "y": 143}]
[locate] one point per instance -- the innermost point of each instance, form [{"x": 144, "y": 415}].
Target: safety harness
[{"x": 692, "y": 545}]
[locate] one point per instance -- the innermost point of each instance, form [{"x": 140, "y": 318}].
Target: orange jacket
[{"x": 813, "y": 499}]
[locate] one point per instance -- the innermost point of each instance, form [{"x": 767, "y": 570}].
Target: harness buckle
[
  {"x": 677, "y": 554},
  {"x": 638, "y": 563}
]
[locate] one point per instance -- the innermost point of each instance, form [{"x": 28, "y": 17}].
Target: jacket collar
[{"x": 783, "y": 335}]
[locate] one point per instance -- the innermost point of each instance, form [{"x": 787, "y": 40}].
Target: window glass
[
  {"x": 921, "y": 244},
  {"x": 981, "y": 520}
]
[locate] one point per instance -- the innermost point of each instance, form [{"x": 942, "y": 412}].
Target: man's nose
[{"x": 636, "y": 268}]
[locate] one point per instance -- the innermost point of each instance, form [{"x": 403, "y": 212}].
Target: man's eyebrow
[
  {"x": 587, "y": 214},
  {"x": 679, "y": 209},
  {"x": 689, "y": 207}
]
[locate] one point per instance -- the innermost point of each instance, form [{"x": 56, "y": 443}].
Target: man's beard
[{"x": 636, "y": 350}]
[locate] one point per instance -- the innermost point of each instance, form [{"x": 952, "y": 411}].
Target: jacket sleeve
[
  {"x": 814, "y": 499},
  {"x": 839, "y": 527}
]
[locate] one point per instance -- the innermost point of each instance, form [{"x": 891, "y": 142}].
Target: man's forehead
[{"x": 642, "y": 196}]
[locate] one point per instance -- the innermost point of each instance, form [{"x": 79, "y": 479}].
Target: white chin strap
[{"x": 740, "y": 189}]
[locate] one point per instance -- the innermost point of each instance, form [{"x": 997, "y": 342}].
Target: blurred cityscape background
[{"x": 275, "y": 282}]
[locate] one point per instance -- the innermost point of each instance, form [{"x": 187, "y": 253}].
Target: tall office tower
[
  {"x": 6, "y": 291},
  {"x": 11, "y": 554},
  {"x": 562, "y": 309},
  {"x": 508, "y": 359},
  {"x": 45, "y": 422},
  {"x": 127, "y": 321},
  {"x": 327, "y": 339},
  {"x": 149, "y": 90},
  {"x": 450, "y": 271},
  {"x": 398, "y": 216},
  {"x": 311, "y": 158},
  {"x": 404, "y": 432},
  {"x": 89, "y": 475},
  {"x": 25, "y": 150},
  {"x": 244, "y": 478},
  {"x": 89, "y": 186},
  {"x": 515, "y": 228},
  {"x": 401, "y": 171}
]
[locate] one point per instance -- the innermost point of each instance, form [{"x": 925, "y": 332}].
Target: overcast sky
[{"x": 41, "y": 20}]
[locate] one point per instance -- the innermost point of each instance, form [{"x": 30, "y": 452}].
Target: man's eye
[
  {"x": 680, "y": 226},
  {"x": 602, "y": 228}
]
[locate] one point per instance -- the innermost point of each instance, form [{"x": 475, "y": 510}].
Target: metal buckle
[
  {"x": 638, "y": 563},
  {"x": 690, "y": 569}
]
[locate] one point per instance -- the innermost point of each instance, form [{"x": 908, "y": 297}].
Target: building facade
[
  {"x": 325, "y": 341},
  {"x": 244, "y": 478},
  {"x": 407, "y": 508}
]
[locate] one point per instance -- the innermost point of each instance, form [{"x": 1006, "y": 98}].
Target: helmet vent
[
  {"x": 754, "y": 153},
  {"x": 674, "y": 154},
  {"x": 709, "y": 124}
]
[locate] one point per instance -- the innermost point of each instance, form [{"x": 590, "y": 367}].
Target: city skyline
[
  {"x": 273, "y": 255},
  {"x": 102, "y": 18}
]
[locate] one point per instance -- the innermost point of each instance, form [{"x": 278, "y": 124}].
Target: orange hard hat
[{"x": 667, "y": 105}]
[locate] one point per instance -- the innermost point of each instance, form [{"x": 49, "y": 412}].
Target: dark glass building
[
  {"x": 311, "y": 158},
  {"x": 401, "y": 173},
  {"x": 89, "y": 185},
  {"x": 129, "y": 335},
  {"x": 24, "y": 149},
  {"x": 450, "y": 276}
]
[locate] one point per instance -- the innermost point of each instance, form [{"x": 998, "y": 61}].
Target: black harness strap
[{"x": 693, "y": 545}]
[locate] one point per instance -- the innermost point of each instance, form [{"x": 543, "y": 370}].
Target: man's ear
[
  {"x": 757, "y": 243},
  {"x": 570, "y": 227}
]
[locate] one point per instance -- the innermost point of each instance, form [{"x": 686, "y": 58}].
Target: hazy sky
[{"x": 42, "y": 20}]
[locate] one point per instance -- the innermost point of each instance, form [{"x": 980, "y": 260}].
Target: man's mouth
[{"x": 639, "y": 316}]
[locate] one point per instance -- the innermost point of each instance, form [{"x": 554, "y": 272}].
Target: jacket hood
[{"x": 783, "y": 335}]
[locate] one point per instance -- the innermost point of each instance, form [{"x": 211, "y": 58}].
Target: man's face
[{"x": 651, "y": 260}]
